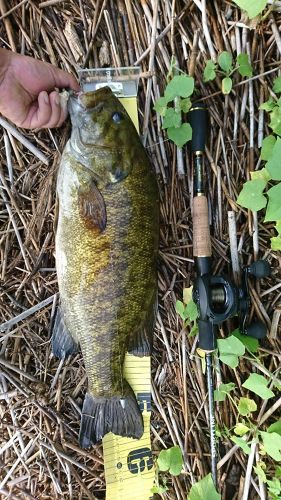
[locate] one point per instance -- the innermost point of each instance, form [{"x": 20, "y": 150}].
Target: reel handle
[
  {"x": 260, "y": 269},
  {"x": 257, "y": 330}
]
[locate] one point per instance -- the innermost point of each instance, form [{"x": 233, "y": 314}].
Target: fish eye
[{"x": 117, "y": 117}]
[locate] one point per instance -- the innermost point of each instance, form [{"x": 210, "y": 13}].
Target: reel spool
[{"x": 219, "y": 299}]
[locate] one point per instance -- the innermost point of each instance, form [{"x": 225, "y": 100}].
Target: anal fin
[
  {"x": 140, "y": 343},
  {"x": 63, "y": 343},
  {"x": 141, "y": 340}
]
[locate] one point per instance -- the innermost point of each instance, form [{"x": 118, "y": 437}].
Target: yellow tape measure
[{"x": 128, "y": 462}]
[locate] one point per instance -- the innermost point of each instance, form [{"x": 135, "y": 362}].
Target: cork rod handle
[{"x": 201, "y": 229}]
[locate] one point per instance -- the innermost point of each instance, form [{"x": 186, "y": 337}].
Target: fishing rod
[{"x": 217, "y": 297}]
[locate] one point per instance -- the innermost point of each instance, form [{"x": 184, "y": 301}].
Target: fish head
[{"x": 103, "y": 134}]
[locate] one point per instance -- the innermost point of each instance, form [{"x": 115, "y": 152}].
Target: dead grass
[{"x": 40, "y": 398}]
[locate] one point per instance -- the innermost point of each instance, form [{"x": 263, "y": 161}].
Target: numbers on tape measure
[
  {"x": 139, "y": 460},
  {"x": 144, "y": 400}
]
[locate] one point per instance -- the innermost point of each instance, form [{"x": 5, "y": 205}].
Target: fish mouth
[{"x": 90, "y": 100}]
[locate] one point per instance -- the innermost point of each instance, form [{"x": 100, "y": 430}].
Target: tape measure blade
[
  {"x": 129, "y": 468},
  {"x": 128, "y": 463}
]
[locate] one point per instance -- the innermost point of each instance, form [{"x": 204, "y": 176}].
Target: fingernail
[
  {"x": 57, "y": 100},
  {"x": 46, "y": 98}
]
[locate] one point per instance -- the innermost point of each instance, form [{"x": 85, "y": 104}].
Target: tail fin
[{"x": 118, "y": 414}]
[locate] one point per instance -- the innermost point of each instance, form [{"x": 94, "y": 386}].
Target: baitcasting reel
[{"x": 218, "y": 299}]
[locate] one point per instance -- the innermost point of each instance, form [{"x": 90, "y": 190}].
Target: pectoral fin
[
  {"x": 92, "y": 208},
  {"x": 63, "y": 343}
]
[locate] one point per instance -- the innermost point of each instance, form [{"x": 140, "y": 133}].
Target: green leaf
[
  {"x": 252, "y": 7},
  {"x": 229, "y": 351},
  {"x": 161, "y": 106},
  {"x": 180, "y": 135},
  {"x": 224, "y": 389},
  {"x": 258, "y": 384},
  {"x": 176, "y": 461},
  {"x": 159, "y": 489},
  {"x": 278, "y": 227},
  {"x": 172, "y": 119},
  {"x": 191, "y": 311},
  {"x": 273, "y": 211},
  {"x": 240, "y": 442},
  {"x": 185, "y": 105},
  {"x": 180, "y": 85},
  {"x": 274, "y": 488},
  {"x": 275, "y": 427},
  {"x": 268, "y": 105},
  {"x": 246, "y": 406},
  {"x": 277, "y": 84},
  {"x": 278, "y": 471},
  {"x": 163, "y": 460},
  {"x": 275, "y": 120},
  {"x": 276, "y": 243},
  {"x": 231, "y": 345},
  {"x": 180, "y": 309},
  {"x": 260, "y": 473},
  {"x": 225, "y": 61},
  {"x": 204, "y": 489},
  {"x": 245, "y": 68},
  {"x": 230, "y": 360},
  {"x": 251, "y": 344},
  {"x": 267, "y": 147},
  {"x": 226, "y": 85},
  {"x": 272, "y": 444},
  {"x": 241, "y": 429},
  {"x": 209, "y": 71},
  {"x": 273, "y": 165},
  {"x": 251, "y": 195},
  {"x": 260, "y": 175},
  {"x": 171, "y": 460},
  {"x": 194, "y": 330}
]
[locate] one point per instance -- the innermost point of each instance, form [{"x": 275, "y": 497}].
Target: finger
[
  {"x": 59, "y": 110},
  {"x": 55, "y": 116},
  {"x": 64, "y": 110},
  {"x": 40, "y": 113},
  {"x": 64, "y": 79}
]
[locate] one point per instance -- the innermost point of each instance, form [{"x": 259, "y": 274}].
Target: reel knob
[
  {"x": 260, "y": 269},
  {"x": 256, "y": 330}
]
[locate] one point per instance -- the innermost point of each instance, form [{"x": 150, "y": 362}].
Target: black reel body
[{"x": 219, "y": 299}]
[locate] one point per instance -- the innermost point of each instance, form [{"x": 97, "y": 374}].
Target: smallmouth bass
[{"x": 106, "y": 252}]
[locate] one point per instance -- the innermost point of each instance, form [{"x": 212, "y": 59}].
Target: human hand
[{"x": 27, "y": 91}]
